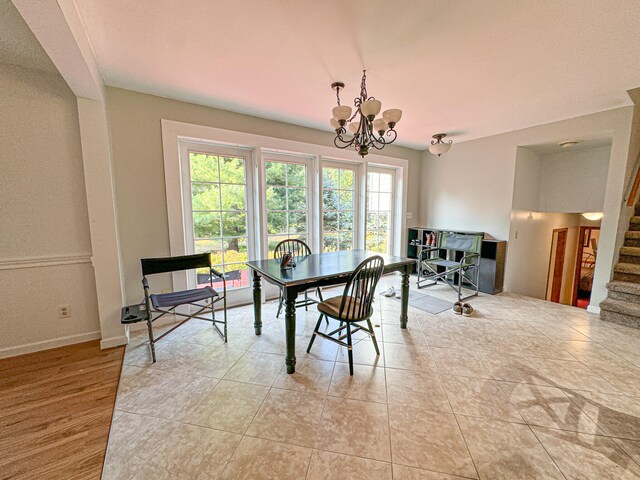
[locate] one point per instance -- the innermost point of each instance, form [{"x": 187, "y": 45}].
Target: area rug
[{"x": 428, "y": 303}]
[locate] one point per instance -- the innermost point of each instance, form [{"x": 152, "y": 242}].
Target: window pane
[
  {"x": 297, "y": 222},
  {"x": 236, "y": 276},
  {"x": 346, "y": 179},
  {"x": 233, "y": 197},
  {"x": 373, "y": 202},
  {"x": 297, "y": 199},
  {"x": 386, "y": 184},
  {"x": 371, "y": 241},
  {"x": 235, "y": 250},
  {"x": 330, "y": 221},
  {"x": 276, "y": 222},
  {"x": 330, "y": 178},
  {"x": 276, "y": 198},
  {"x": 330, "y": 242},
  {"x": 275, "y": 173},
  {"x": 372, "y": 221},
  {"x": 272, "y": 241},
  {"x": 232, "y": 170},
  {"x": 346, "y": 221},
  {"x": 296, "y": 175},
  {"x": 373, "y": 180},
  {"x": 385, "y": 202},
  {"x": 205, "y": 196},
  {"x": 234, "y": 224},
  {"x": 213, "y": 246},
  {"x": 383, "y": 220},
  {"x": 206, "y": 225},
  {"x": 346, "y": 240},
  {"x": 203, "y": 167},
  {"x": 330, "y": 200},
  {"x": 346, "y": 200}
]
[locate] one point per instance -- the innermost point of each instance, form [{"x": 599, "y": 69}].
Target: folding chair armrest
[
  {"x": 427, "y": 250},
  {"x": 145, "y": 283},
  {"x": 217, "y": 273}
]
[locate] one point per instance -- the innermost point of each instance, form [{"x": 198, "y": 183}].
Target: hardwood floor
[{"x": 55, "y": 411}]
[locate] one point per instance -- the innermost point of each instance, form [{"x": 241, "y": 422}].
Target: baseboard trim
[
  {"x": 593, "y": 309},
  {"x": 48, "y": 344},
  {"x": 114, "y": 342}
]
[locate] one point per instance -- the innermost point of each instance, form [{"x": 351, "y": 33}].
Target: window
[
  {"x": 286, "y": 202},
  {"x": 219, "y": 213},
  {"x": 380, "y": 210},
  {"x": 338, "y": 207}
]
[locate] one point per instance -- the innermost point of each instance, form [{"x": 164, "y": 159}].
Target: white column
[{"x": 105, "y": 244}]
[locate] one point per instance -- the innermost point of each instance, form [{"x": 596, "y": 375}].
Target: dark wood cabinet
[{"x": 492, "y": 257}]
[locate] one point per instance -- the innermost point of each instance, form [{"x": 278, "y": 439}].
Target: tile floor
[{"x": 522, "y": 389}]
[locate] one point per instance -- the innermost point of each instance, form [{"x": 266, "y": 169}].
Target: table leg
[
  {"x": 290, "y": 327},
  {"x": 257, "y": 303},
  {"x": 404, "y": 309}
]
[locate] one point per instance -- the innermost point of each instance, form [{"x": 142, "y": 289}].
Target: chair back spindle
[
  {"x": 296, "y": 247},
  {"x": 361, "y": 289}
]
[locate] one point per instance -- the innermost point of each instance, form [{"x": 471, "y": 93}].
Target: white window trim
[
  {"x": 173, "y": 132},
  {"x": 395, "y": 213},
  {"x": 309, "y": 162}
]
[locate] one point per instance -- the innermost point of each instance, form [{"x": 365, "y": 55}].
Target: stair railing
[{"x": 633, "y": 188}]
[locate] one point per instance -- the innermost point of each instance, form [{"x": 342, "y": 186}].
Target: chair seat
[
  {"x": 331, "y": 307},
  {"x": 183, "y": 297},
  {"x": 442, "y": 262}
]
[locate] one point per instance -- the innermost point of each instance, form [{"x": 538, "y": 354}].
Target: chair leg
[
  {"x": 281, "y": 301},
  {"x": 313, "y": 337},
  {"x": 319, "y": 293},
  {"x": 151, "y": 340},
  {"x": 373, "y": 337},
  {"x": 306, "y": 300},
  {"x": 225, "y": 318},
  {"x": 350, "y": 348},
  {"x": 460, "y": 274}
]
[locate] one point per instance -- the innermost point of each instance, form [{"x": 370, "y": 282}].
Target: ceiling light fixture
[
  {"x": 438, "y": 147},
  {"x": 569, "y": 143},
  {"x": 593, "y": 216},
  {"x": 367, "y": 131}
]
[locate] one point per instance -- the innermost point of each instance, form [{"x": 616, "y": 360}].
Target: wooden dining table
[{"x": 318, "y": 270}]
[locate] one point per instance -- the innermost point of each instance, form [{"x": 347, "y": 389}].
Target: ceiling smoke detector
[{"x": 569, "y": 143}]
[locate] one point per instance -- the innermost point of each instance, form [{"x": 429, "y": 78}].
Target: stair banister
[{"x": 633, "y": 190}]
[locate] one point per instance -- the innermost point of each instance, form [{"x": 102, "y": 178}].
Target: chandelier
[{"x": 365, "y": 130}]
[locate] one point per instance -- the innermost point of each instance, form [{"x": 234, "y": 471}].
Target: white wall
[
  {"x": 45, "y": 247},
  {"x": 574, "y": 181},
  {"x": 136, "y": 141},
  {"x": 471, "y": 187}
]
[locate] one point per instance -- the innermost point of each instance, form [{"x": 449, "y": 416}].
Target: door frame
[
  {"x": 578, "y": 266},
  {"x": 551, "y": 273}
]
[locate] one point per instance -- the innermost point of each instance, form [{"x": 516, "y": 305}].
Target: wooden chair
[
  {"x": 354, "y": 306},
  {"x": 203, "y": 298},
  {"x": 297, "y": 248}
]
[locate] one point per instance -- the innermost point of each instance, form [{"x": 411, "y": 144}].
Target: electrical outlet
[{"x": 64, "y": 311}]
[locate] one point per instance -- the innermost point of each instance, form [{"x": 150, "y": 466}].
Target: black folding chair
[
  {"x": 203, "y": 298},
  {"x": 297, "y": 248},
  {"x": 355, "y": 305}
]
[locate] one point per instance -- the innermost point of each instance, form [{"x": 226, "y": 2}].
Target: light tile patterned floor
[{"x": 522, "y": 389}]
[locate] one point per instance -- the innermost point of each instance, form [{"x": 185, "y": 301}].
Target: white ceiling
[{"x": 467, "y": 68}]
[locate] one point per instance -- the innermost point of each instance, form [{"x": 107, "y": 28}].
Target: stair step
[
  {"x": 635, "y": 219},
  {"x": 625, "y": 291},
  {"x": 627, "y": 272},
  {"x": 620, "y": 318},
  {"x": 624, "y": 287},
  {"x": 637, "y": 209},
  {"x": 630, "y": 251},
  {"x": 620, "y": 306}
]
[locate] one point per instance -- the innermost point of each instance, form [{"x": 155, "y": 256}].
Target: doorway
[
  {"x": 556, "y": 264},
  {"x": 588, "y": 238}
]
